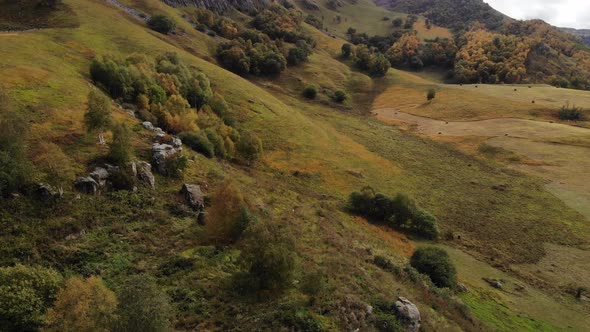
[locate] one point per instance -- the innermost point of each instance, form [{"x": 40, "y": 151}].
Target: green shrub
[
  {"x": 175, "y": 166},
  {"x": 299, "y": 54},
  {"x": 424, "y": 224},
  {"x": 268, "y": 259},
  {"x": 120, "y": 148},
  {"x": 161, "y": 23},
  {"x": 219, "y": 106},
  {"x": 436, "y": 264},
  {"x": 385, "y": 317},
  {"x": 431, "y": 94},
  {"x": 346, "y": 50},
  {"x": 98, "y": 115},
  {"x": 25, "y": 295},
  {"x": 122, "y": 180},
  {"x": 143, "y": 306},
  {"x": 340, "y": 96},
  {"x": 386, "y": 264},
  {"x": 400, "y": 212},
  {"x": 311, "y": 91},
  {"x": 379, "y": 65},
  {"x": 249, "y": 146},
  {"x": 199, "y": 142},
  {"x": 571, "y": 113},
  {"x": 217, "y": 141}
]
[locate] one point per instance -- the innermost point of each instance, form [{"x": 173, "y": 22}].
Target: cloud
[{"x": 563, "y": 13}]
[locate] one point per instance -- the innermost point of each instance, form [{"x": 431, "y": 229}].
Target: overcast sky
[{"x": 562, "y": 13}]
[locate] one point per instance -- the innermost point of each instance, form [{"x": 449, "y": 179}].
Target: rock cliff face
[{"x": 221, "y": 5}]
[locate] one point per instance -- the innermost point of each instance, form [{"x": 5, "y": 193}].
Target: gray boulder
[
  {"x": 162, "y": 152},
  {"x": 176, "y": 142},
  {"x": 46, "y": 192},
  {"x": 112, "y": 169},
  {"x": 148, "y": 125},
  {"x": 145, "y": 175},
  {"x": 132, "y": 167},
  {"x": 100, "y": 175},
  {"x": 193, "y": 196},
  {"x": 86, "y": 185},
  {"x": 408, "y": 313},
  {"x": 159, "y": 137}
]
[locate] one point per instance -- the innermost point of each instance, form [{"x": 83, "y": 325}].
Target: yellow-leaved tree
[{"x": 83, "y": 305}]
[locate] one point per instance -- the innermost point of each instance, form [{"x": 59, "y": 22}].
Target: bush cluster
[
  {"x": 401, "y": 49},
  {"x": 370, "y": 60},
  {"x": 176, "y": 98},
  {"x": 435, "y": 263},
  {"x": 399, "y": 212},
  {"x": 244, "y": 57},
  {"x": 310, "y": 92},
  {"x": 264, "y": 49},
  {"x": 161, "y": 23},
  {"x": 571, "y": 113}
]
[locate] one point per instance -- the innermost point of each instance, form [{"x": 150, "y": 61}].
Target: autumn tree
[
  {"x": 228, "y": 216},
  {"x": 83, "y": 305},
  {"x": 403, "y": 50}
]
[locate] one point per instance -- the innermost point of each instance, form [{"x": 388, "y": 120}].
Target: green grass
[
  {"x": 370, "y": 22},
  {"x": 501, "y": 318}
]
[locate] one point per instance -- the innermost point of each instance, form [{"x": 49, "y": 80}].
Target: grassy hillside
[
  {"x": 315, "y": 154},
  {"x": 375, "y": 20}
]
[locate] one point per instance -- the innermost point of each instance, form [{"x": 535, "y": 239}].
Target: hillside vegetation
[{"x": 220, "y": 172}]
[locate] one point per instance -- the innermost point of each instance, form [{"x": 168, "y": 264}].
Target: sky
[{"x": 561, "y": 13}]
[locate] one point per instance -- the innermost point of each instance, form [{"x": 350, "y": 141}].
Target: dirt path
[{"x": 565, "y": 167}]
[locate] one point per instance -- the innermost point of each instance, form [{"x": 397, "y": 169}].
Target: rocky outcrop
[
  {"x": 221, "y": 5},
  {"x": 46, "y": 192},
  {"x": 100, "y": 175},
  {"x": 408, "y": 313},
  {"x": 144, "y": 174},
  {"x": 193, "y": 196},
  {"x": 161, "y": 153},
  {"x": 86, "y": 185}
]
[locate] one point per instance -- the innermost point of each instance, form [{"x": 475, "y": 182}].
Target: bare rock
[
  {"x": 100, "y": 175},
  {"x": 193, "y": 196},
  {"x": 408, "y": 313},
  {"x": 176, "y": 142},
  {"x": 145, "y": 175},
  {"x": 47, "y": 192},
  {"x": 162, "y": 152},
  {"x": 86, "y": 185},
  {"x": 494, "y": 283},
  {"x": 148, "y": 125}
]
